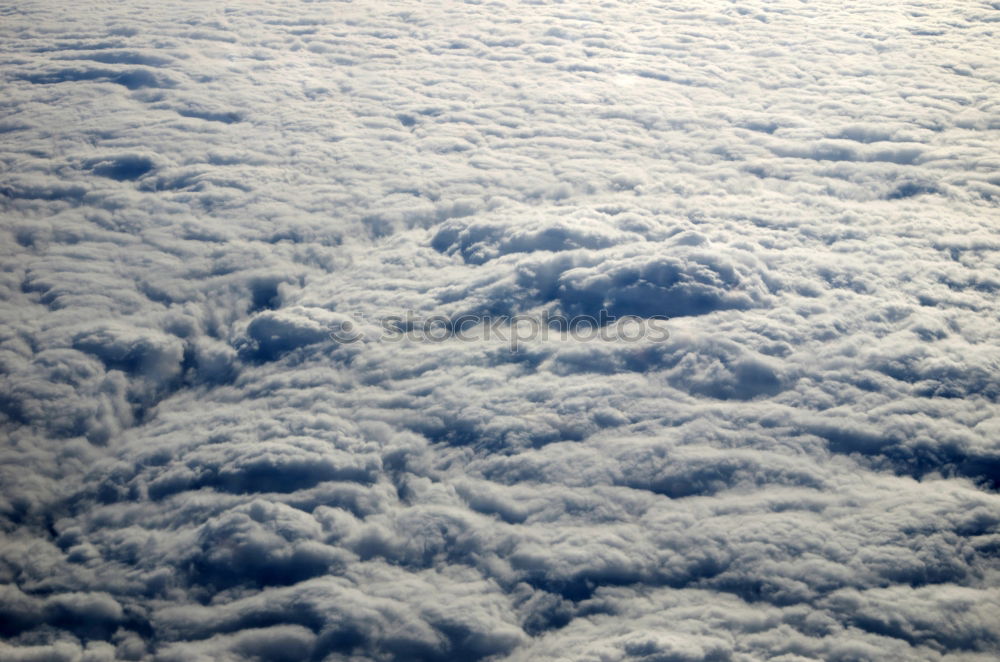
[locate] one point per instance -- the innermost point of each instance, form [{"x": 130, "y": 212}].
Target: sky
[{"x": 217, "y": 221}]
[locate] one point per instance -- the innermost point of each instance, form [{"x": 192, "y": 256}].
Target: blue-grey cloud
[{"x": 196, "y": 202}]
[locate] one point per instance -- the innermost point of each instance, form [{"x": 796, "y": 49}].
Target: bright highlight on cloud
[{"x": 195, "y": 199}]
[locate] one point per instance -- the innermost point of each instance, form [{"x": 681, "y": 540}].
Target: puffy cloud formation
[{"x": 196, "y": 466}]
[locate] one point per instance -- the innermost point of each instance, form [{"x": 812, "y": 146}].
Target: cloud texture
[{"x": 193, "y": 198}]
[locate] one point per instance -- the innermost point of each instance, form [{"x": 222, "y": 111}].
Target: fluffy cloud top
[{"x": 196, "y": 200}]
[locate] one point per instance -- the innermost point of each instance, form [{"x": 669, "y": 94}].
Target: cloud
[{"x": 198, "y": 464}]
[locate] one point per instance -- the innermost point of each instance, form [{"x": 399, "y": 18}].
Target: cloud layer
[{"x": 192, "y": 199}]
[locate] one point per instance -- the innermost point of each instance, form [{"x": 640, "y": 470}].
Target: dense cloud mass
[{"x": 198, "y": 201}]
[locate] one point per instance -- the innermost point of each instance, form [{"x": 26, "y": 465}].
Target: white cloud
[{"x": 196, "y": 198}]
